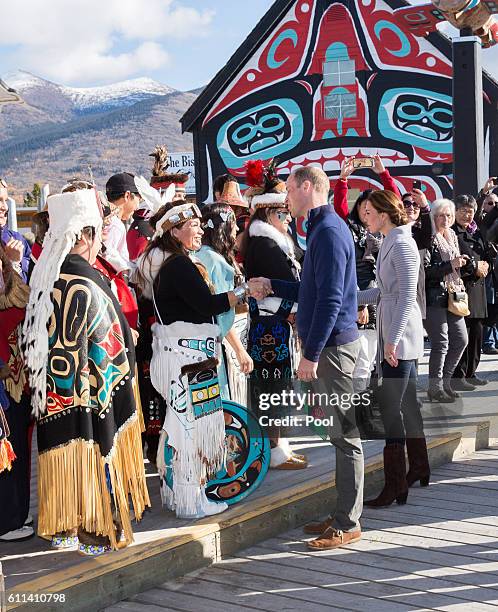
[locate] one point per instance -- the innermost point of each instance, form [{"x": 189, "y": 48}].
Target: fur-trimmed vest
[{"x": 270, "y": 254}]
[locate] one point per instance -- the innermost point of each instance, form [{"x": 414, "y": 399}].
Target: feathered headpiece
[
  {"x": 69, "y": 213},
  {"x": 161, "y": 161},
  {"x": 265, "y": 190},
  {"x": 152, "y": 198},
  {"x": 162, "y": 178}
]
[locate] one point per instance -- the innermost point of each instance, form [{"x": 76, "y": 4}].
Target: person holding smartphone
[
  {"x": 444, "y": 265},
  {"x": 473, "y": 243}
]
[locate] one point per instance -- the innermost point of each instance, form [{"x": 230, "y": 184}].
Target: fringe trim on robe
[{"x": 85, "y": 500}]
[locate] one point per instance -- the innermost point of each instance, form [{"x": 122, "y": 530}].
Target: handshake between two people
[{"x": 259, "y": 288}]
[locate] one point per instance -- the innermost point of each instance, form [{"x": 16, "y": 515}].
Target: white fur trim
[
  {"x": 262, "y": 229},
  {"x": 268, "y": 199},
  {"x": 148, "y": 264},
  {"x": 279, "y": 455}
]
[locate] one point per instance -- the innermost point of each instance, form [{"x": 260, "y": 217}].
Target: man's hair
[{"x": 316, "y": 176}]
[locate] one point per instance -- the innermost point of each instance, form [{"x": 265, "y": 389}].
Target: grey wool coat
[{"x": 399, "y": 320}]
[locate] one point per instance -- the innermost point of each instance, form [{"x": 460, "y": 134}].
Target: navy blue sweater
[{"x": 326, "y": 295}]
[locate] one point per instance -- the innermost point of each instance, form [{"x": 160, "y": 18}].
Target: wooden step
[{"x": 98, "y": 582}]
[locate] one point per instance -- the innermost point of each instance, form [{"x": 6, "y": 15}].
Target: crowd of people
[{"x": 134, "y": 314}]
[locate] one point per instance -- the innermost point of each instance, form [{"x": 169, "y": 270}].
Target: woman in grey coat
[{"x": 401, "y": 344}]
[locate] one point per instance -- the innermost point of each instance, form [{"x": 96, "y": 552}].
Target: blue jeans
[
  {"x": 490, "y": 334},
  {"x": 490, "y": 338},
  {"x": 398, "y": 403}
]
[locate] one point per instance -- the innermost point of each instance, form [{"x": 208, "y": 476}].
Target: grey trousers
[
  {"x": 448, "y": 336},
  {"x": 335, "y": 376}
]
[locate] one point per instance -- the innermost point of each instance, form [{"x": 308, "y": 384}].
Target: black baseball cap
[{"x": 119, "y": 184}]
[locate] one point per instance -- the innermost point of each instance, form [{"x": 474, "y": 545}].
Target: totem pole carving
[{"x": 478, "y": 15}]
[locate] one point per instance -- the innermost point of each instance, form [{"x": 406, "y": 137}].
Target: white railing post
[
  {"x": 12, "y": 219},
  {"x": 45, "y": 190}
]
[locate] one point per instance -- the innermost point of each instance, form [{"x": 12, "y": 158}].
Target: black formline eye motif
[{"x": 259, "y": 131}]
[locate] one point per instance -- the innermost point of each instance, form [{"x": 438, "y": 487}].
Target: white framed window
[
  {"x": 339, "y": 72},
  {"x": 340, "y": 105}
]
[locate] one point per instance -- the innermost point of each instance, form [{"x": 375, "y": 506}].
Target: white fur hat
[{"x": 269, "y": 200}]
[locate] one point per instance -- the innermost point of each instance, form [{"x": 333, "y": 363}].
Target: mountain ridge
[
  {"x": 55, "y": 135},
  {"x": 87, "y": 99}
]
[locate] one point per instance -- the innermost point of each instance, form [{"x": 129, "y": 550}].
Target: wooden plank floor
[
  {"x": 32, "y": 559},
  {"x": 438, "y": 552}
]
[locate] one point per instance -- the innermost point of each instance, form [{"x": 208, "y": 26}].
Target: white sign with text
[{"x": 184, "y": 162}]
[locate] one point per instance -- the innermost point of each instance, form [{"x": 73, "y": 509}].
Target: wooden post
[{"x": 468, "y": 118}]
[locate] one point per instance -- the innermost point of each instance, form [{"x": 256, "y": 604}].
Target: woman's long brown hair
[{"x": 166, "y": 243}]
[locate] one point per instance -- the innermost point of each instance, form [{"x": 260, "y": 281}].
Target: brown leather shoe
[
  {"x": 292, "y": 463},
  {"x": 300, "y": 457},
  {"x": 334, "y": 538},
  {"x": 318, "y": 528}
]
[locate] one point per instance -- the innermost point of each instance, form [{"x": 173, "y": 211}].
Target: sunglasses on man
[{"x": 3, "y": 183}]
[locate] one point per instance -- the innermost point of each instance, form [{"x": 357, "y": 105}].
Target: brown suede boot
[
  {"x": 418, "y": 460},
  {"x": 395, "y": 485}
]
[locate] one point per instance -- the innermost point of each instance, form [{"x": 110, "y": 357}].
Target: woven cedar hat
[
  {"x": 265, "y": 189},
  {"x": 231, "y": 194}
]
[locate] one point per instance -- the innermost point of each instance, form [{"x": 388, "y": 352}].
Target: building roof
[
  {"x": 235, "y": 63},
  {"x": 267, "y": 23}
]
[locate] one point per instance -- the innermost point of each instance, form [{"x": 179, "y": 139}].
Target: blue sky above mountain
[{"x": 87, "y": 43}]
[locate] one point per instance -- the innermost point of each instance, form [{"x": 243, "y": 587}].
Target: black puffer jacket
[
  {"x": 436, "y": 292},
  {"x": 475, "y": 246},
  {"x": 365, "y": 267}
]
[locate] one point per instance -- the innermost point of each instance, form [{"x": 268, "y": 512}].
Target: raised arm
[
  {"x": 341, "y": 188},
  {"x": 387, "y": 180}
]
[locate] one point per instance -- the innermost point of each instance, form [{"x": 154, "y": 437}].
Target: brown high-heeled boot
[
  {"x": 395, "y": 485},
  {"x": 418, "y": 460}
]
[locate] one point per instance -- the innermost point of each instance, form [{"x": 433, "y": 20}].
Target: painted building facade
[{"x": 318, "y": 80}]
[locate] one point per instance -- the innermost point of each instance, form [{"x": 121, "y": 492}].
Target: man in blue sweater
[{"x": 326, "y": 320}]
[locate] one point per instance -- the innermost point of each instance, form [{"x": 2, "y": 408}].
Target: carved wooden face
[{"x": 334, "y": 80}]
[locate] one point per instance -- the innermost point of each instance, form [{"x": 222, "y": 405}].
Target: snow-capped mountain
[
  {"x": 49, "y": 96},
  {"x": 120, "y": 94}
]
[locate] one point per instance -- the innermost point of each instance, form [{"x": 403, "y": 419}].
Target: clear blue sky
[{"x": 92, "y": 42}]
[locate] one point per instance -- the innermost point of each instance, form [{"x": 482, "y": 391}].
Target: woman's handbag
[{"x": 458, "y": 301}]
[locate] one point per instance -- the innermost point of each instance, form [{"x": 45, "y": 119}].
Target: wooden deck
[
  {"x": 438, "y": 552},
  {"x": 166, "y": 547}
]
